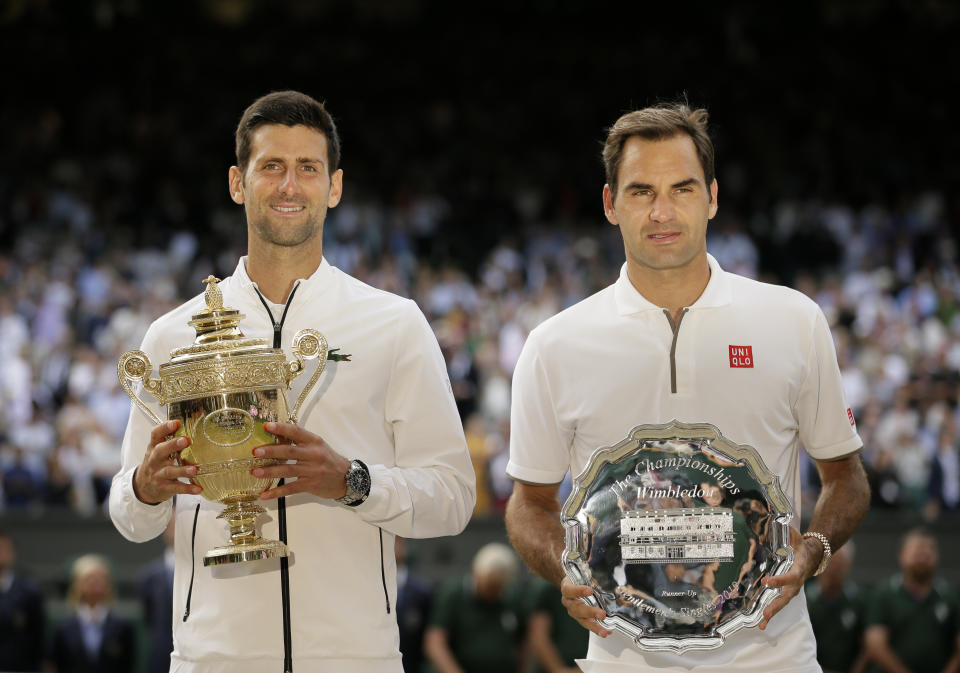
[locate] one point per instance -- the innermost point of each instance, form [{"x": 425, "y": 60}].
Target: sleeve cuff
[
  {"x": 531, "y": 475},
  {"x": 848, "y": 447},
  {"x": 378, "y": 498},
  {"x": 136, "y": 520}
]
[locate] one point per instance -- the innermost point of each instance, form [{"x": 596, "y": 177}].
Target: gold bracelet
[{"x": 826, "y": 550}]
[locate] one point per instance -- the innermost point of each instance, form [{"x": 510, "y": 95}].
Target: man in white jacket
[{"x": 379, "y": 450}]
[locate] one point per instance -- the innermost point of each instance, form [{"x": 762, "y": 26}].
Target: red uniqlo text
[{"x": 741, "y": 356}]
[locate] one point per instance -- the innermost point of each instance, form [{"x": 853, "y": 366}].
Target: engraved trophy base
[
  {"x": 245, "y": 544},
  {"x": 251, "y": 551}
]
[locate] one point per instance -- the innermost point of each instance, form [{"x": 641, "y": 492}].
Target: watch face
[{"x": 358, "y": 482}]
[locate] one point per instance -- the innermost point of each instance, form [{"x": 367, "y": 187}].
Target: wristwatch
[{"x": 358, "y": 484}]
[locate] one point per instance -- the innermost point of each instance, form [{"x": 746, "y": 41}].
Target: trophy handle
[
  {"x": 135, "y": 366},
  {"x": 307, "y": 345}
]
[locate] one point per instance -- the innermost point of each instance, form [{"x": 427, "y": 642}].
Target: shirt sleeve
[
  {"x": 539, "y": 445},
  {"x": 136, "y": 520},
  {"x": 431, "y": 489},
  {"x": 827, "y": 428}
]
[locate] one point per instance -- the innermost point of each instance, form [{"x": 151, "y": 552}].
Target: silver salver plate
[{"x": 675, "y": 528}]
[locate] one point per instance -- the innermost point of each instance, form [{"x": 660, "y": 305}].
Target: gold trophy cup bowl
[{"x": 222, "y": 389}]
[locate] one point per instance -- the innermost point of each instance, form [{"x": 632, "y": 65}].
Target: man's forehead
[
  {"x": 296, "y": 139},
  {"x": 678, "y": 153},
  {"x": 919, "y": 541}
]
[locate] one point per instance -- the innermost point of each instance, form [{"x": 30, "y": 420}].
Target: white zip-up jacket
[{"x": 390, "y": 406}]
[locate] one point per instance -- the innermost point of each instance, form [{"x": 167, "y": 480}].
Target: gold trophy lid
[{"x": 218, "y": 330}]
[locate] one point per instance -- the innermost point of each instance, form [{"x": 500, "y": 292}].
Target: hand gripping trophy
[{"x": 222, "y": 389}]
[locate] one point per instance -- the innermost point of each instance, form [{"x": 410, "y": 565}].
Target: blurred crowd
[
  {"x": 489, "y": 618},
  {"x": 75, "y": 294},
  {"x": 472, "y": 185}
]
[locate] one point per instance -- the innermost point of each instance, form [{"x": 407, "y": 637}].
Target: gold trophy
[{"x": 222, "y": 389}]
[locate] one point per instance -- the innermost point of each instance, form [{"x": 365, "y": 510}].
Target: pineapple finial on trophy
[{"x": 213, "y": 296}]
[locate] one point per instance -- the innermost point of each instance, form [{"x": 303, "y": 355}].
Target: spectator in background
[
  {"x": 943, "y": 488},
  {"x": 156, "y": 597},
  {"x": 414, "y": 598},
  {"x": 476, "y": 624},
  {"x": 836, "y": 612},
  {"x": 912, "y": 619},
  {"x": 93, "y": 639},
  {"x": 556, "y": 640},
  {"x": 21, "y": 615},
  {"x": 21, "y": 486},
  {"x": 481, "y": 450}
]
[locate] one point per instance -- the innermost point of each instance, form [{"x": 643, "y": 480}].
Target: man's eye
[{"x": 310, "y": 168}]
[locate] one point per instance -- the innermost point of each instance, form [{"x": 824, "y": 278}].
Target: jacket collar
[
  {"x": 717, "y": 293},
  {"x": 318, "y": 281}
]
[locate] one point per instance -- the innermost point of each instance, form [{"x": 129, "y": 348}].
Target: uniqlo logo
[
  {"x": 741, "y": 356},
  {"x": 850, "y": 415}
]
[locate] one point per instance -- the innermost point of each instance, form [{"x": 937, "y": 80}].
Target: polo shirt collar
[
  {"x": 717, "y": 293},
  {"x": 317, "y": 281}
]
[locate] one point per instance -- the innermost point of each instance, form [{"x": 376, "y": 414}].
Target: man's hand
[
  {"x": 157, "y": 478},
  {"x": 585, "y": 615},
  {"x": 318, "y": 469},
  {"x": 807, "y": 554},
  {"x": 842, "y": 503}
]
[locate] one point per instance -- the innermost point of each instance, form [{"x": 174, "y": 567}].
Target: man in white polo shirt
[
  {"x": 678, "y": 338},
  {"x": 379, "y": 450}
]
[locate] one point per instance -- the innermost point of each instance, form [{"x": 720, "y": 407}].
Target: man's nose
[
  {"x": 662, "y": 210},
  {"x": 289, "y": 184}
]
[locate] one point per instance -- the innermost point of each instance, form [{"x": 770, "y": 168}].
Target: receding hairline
[
  {"x": 287, "y": 108},
  {"x": 700, "y": 177},
  {"x": 302, "y": 158},
  {"x": 659, "y": 122}
]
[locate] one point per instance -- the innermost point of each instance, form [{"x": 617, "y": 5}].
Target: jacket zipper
[
  {"x": 282, "y": 508},
  {"x": 673, "y": 346},
  {"x": 282, "y": 513},
  {"x": 383, "y": 573},
  {"x": 278, "y": 326},
  {"x": 193, "y": 563}
]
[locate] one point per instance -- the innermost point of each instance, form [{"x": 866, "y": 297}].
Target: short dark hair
[
  {"x": 659, "y": 122},
  {"x": 290, "y": 108},
  {"x": 922, "y": 532}
]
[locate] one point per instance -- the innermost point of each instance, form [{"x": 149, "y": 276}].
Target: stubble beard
[
  {"x": 921, "y": 574},
  {"x": 665, "y": 260},
  {"x": 289, "y": 234}
]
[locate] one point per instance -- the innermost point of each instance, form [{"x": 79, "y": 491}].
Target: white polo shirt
[{"x": 753, "y": 359}]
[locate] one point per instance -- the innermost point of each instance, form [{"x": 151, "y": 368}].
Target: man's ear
[
  {"x": 336, "y": 188},
  {"x": 235, "y": 184},
  {"x": 713, "y": 199},
  {"x": 608, "y": 208}
]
